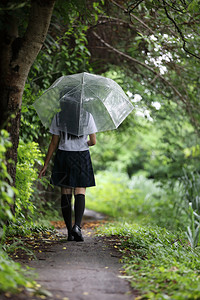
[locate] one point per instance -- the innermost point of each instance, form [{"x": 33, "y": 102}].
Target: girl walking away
[{"x": 72, "y": 171}]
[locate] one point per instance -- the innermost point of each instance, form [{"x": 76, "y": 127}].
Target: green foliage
[
  {"x": 65, "y": 53},
  {"x": 137, "y": 198},
  {"x": 157, "y": 262},
  {"x": 31, "y": 128},
  {"x": 6, "y": 191},
  {"x": 110, "y": 193},
  {"x": 12, "y": 275},
  {"x": 193, "y": 231},
  {"x": 26, "y": 174},
  {"x": 22, "y": 228},
  {"x": 190, "y": 191}
]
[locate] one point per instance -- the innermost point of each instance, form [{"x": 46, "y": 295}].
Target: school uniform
[{"x": 72, "y": 163}]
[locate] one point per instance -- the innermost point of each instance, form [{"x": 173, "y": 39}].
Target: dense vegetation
[
  {"x": 151, "y": 229},
  {"x": 147, "y": 171}
]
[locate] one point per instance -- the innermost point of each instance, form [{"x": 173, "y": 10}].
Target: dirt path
[{"x": 82, "y": 270}]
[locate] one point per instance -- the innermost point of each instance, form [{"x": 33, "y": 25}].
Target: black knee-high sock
[
  {"x": 66, "y": 208},
  {"x": 79, "y": 207}
]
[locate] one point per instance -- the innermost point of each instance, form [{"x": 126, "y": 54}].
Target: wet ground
[
  {"x": 82, "y": 270},
  {"x": 77, "y": 270}
]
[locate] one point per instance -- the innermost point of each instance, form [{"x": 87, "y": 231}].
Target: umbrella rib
[
  {"x": 119, "y": 93},
  {"x": 105, "y": 105}
]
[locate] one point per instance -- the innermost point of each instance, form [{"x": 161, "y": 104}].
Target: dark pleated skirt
[{"x": 72, "y": 169}]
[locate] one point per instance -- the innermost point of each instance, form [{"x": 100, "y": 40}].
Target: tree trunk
[{"x": 17, "y": 55}]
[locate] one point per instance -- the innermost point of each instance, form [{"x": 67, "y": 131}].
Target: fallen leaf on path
[
  {"x": 42, "y": 293},
  {"x": 125, "y": 276},
  {"x": 8, "y": 295},
  {"x": 85, "y": 293}
]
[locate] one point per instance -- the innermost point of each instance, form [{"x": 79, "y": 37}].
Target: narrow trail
[
  {"x": 82, "y": 270},
  {"x": 77, "y": 270}
]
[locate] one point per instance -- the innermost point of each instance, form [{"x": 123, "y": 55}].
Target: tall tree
[{"x": 17, "y": 54}]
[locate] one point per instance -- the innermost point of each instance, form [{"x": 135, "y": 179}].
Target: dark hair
[
  {"x": 73, "y": 137},
  {"x": 69, "y": 136}
]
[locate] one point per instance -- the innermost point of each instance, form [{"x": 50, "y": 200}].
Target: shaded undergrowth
[{"x": 158, "y": 263}]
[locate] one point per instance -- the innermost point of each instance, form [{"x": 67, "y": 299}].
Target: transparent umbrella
[{"x": 74, "y": 98}]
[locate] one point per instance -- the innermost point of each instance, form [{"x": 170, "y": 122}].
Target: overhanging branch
[
  {"x": 134, "y": 6},
  {"x": 151, "y": 31},
  {"x": 179, "y": 31},
  {"x": 141, "y": 64},
  {"x": 134, "y": 17}
]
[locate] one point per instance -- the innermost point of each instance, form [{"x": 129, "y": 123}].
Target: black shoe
[
  {"x": 76, "y": 232},
  {"x": 70, "y": 238}
]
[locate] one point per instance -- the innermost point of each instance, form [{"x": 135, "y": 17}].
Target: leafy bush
[
  {"x": 190, "y": 197},
  {"x": 11, "y": 274},
  {"x": 31, "y": 128},
  {"x": 112, "y": 195},
  {"x": 22, "y": 229},
  {"x": 28, "y": 155},
  {"x": 122, "y": 198},
  {"x": 158, "y": 263},
  {"x": 6, "y": 191}
]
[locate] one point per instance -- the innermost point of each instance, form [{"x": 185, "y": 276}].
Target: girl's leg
[
  {"x": 67, "y": 191},
  {"x": 66, "y": 207},
  {"x": 79, "y": 204},
  {"x": 79, "y": 190},
  {"x": 79, "y": 207}
]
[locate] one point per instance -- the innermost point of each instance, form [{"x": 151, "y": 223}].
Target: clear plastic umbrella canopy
[{"x": 74, "y": 98}]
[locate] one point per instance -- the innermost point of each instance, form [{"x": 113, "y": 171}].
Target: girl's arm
[
  {"x": 52, "y": 147},
  {"x": 92, "y": 140}
]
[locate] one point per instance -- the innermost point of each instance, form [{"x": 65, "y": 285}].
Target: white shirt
[{"x": 79, "y": 144}]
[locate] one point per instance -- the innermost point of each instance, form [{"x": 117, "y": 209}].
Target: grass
[
  {"x": 159, "y": 263},
  {"x": 149, "y": 228},
  {"x": 14, "y": 277}
]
